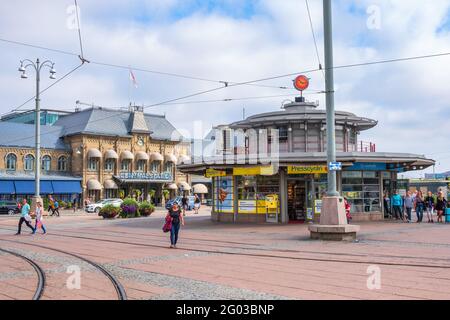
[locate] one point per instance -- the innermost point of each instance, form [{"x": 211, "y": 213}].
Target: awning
[
  {"x": 94, "y": 185},
  {"x": 172, "y": 186},
  {"x": 170, "y": 158},
  {"x": 66, "y": 187},
  {"x": 200, "y": 188},
  {"x": 126, "y": 155},
  {"x": 94, "y": 153},
  {"x": 110, "y": 184},
  {"x": 184, "y": 186},
  {"x": 184, "y": 159},
  {"x": 142, "y": 156},
  {"x": 7, "y": 187},
  {"x": 27, "y": 187},
  {"x": 155, "y": 156},
  {"x": 111, "y": 154}
]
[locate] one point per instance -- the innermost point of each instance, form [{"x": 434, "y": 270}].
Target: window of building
[
  {"x": 156, "y": 166},
  {"x": 126, "y": 165},
  {"x": 168, "y": 167},
  {"x": 29, "y": 162},
  {"x": 109, "y": 164},
  {"x": 93, "y": 164},
  {"x": 141, "y": 165},
  {"x": 111, "y": 193},
  {"x": 283, "y": 134},
  {"x": 246, "y": 188},
  {"x": 46, "y": 163},
  {"x": 11, "y": 161},
  {"x": 362, "y": 189},
  {"x": 62, "y": 163}
]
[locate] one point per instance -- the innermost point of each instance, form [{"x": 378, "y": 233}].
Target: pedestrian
[
  {"x": 51, "y": 205},
  {"x": 24, "y": 217},
  {"x": 347, "y": 210},
  {"x": 197, "y": 203},
  {"x": 56, "y": 207},
  {"x": 409, "y": 204},
  {"x": 419, "y": 206},
  {"x": 441, "y": 205},
  {"x": 397, "y": 204},
  {"x": 429, "y": 205},
  {"x": 184, "y": 204},
  {"x": 39, "y": 218},
  {"x": 177, "y": 219},
  {"x": 387, "y": 206},
  {"x": 74, "y": 202}
]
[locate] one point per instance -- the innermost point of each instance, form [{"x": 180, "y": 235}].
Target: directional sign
[{"x": 335, "y": 166}]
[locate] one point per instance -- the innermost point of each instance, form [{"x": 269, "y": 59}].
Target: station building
[
  {"x": 272, "y": 167},
  {"x": 94, "y": 153}
]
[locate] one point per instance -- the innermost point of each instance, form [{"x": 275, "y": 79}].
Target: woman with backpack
[
  {"x": 176, "y": 218},
  {"x": 441, "y": 205}
]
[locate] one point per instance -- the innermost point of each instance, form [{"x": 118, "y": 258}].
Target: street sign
[{"x": 335, "y": 166}]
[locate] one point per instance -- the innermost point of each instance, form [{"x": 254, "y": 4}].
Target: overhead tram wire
[
  {"x": 314, "y": 37},
  {"x": 272, "y": 78},
  {"x": 79, "y": 29}
]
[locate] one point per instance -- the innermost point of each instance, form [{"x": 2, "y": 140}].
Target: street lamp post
[{"x": 37, "y": 66}]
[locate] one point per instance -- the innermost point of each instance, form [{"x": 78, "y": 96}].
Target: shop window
[
  {"x": 11, "y": 162},
  {"x": 92, "y": 164},
  {"x": 109, "y": 164},
  {"x": 62, "y": 163},
  {"x": 246, "y": 188},
  {"x": 29, "y": 163},
  {"x": 362, "y": 189},
  {"x": 46, "y": 163},
  {"x": 110, "y": 193},
  {"x": 125, "y": 166}
]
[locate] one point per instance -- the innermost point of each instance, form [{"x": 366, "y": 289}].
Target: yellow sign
[
  {"x": 210, "y": 173},
  {"x": 254, "y": 171},
  {"x": 307, "y": 169}
]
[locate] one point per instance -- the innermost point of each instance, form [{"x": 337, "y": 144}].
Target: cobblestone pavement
[{"x": 390, "y": 260}]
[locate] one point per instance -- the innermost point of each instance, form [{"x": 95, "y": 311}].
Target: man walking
[{"x": 25, "y": 217}]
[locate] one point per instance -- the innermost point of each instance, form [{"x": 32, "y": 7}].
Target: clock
[{"x": 140, "y": 141}]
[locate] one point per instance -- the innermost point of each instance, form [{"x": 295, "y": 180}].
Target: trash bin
[{"x": 447, "y": 215}]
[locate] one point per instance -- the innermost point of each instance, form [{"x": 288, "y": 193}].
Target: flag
[{"x": 133, "y": 79}]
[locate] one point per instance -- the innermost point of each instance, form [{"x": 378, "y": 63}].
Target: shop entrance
[{"x": 297, "y": 200}]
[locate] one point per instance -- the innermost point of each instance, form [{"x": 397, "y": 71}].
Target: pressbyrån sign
[{"x": 307, "y": 170}]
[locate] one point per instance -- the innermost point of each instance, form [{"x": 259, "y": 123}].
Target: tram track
[
  {"x": 40, "y": 287},
  {"x": 120, "y": 291}
]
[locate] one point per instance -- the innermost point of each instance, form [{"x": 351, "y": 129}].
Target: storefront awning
[
  {"x": 94, "y": 153},
  {"x": 66, "y": 187},
  {"x": 172, "y": 186},
  {"x": 27, "y": 187},
  {"x": 126, "y": 155},
  {"x": 200, "y": 188},
  {"x": 7, "y": 187},
  {"x": 170, "y": 158},
  {"x": 94, "y": 185},
  {"x": 110, "y": 184},
  {"x": 184, "y": 186},
  {"x": 155, "y": 156},
  {"x": 142, "y": 156},
  {"x": 111, "y": 154}
]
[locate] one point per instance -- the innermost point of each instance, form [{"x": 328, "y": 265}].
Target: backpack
[{"x": 167, "y": 225}]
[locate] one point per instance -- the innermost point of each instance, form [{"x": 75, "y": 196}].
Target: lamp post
[{"x": 37, "y": 66}]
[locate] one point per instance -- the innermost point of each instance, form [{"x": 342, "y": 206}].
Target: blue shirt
[
  {"x": 25, "y": 210},
  {"x": 397, "y": 200}
]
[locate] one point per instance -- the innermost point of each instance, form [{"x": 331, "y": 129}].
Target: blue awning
[
  {"x": 7, "y": 187},
  {"x": 66, "y": 187},
  {"x": 27, "y": 187}
]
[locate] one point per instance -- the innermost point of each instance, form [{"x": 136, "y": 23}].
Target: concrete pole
[
  {"x": 329, "y": 83},
  {"x": 38, "y": 135}
]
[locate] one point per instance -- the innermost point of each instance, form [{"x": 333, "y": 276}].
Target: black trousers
[
  {"x": 398, "y": 213},
  {"x": 21, "y": 221}
]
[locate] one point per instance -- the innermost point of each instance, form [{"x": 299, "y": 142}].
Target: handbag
[{"x": 167, "y": 225}]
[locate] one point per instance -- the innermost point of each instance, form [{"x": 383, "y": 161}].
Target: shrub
[
  {"x": 129, "y": 208},
  {"x": 62, "y": 204},
  {"x": 69, "y": 205},
  {"x": 109, "y": 212},
  {"x": 146, "y": 208}
]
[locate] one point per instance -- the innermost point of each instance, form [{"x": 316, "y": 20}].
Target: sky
[{"x": 236, "y": 41}]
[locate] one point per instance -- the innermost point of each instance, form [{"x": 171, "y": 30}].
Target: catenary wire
[
  {"x": 79, "y": 29},
  {"x": 314, "y": 37}
]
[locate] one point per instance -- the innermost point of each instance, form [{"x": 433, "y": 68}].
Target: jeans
[
  {"x": 174, "y": 233},
  {"x": 419, "y": 212},
  {"x": 42, "y": 227},
  {"x": 398, "y": 212},
  {"x": 408, "y": 212},
  {"x": 430, "y": 211},
  {"x": 21, "y": 221}
]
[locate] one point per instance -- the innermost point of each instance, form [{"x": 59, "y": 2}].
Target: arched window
[
  {"x": 29, "y": 162},
  {"x": 11, "y": 161},
  {"x": 156, "y": 166},
  {"x": 46, "y": 163},
  {"x": 62, "y": 163},
  {"x": 109, "y": 164},
  {"x": 126, "y": 165}
]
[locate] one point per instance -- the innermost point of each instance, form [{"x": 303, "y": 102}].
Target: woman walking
[
  {"x": 419, "y": 206},
  {"x": 441, "y": 205},
  {"x": 39, "y": 219},
  {"x": 429, "y": 205},
  {"x": 177, "y": 219},
  {"x": 197, "y": 203}
]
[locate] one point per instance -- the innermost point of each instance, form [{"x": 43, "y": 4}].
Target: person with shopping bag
[{"x": 174, "y": 219}]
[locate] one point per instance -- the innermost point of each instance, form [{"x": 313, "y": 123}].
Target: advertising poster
[{"x": 223, "y": 197}]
